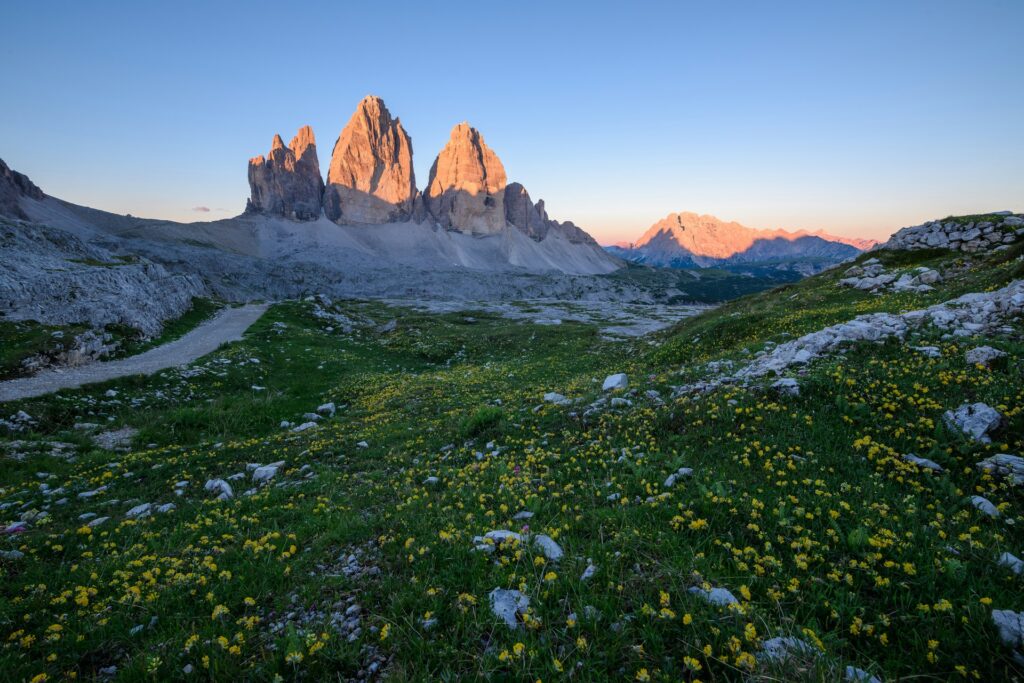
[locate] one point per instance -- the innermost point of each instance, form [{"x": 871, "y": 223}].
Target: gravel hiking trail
[{"x": 228, "y": 325}]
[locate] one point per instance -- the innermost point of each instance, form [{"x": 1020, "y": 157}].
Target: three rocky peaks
[{"x": 371, "y": 180}]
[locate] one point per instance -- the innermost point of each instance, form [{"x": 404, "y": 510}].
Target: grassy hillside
[{"x": 359, "y": 558}]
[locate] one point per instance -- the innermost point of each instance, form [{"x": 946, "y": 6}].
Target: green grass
[
  {"x": 801, "y": 506},
  {"x": 25, "y": 339}
]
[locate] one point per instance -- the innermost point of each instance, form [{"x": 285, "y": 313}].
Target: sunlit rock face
[
  {"x": 371, "y": 179},
  {"x": 466, "y": 191},
  {"x": 287, "y": 181}
]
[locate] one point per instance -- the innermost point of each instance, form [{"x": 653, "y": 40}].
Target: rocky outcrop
[
  {"x": 14, "y": 186},
  {"x": 871, "y": 276},
  {"x": 989, "y": 231},
  {"x": 466, "y": 191},
  {"x": 371, "y": 179},
  {"x": 287, "y": 181},
  {"x": 51, "y": 276},
  {"x": 522, "y": 213}
]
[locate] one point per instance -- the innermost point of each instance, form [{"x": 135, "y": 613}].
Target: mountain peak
[
  {"x": 371, "y": 177},
  {"x": 287, "y": 181},
  {"x": 466, "y": 190},
  {"x": 690, "y": 239}
]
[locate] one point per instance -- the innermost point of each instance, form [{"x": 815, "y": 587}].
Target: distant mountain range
[{"x": 689, "y": 240}]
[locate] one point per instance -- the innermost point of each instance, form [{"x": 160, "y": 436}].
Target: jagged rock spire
[
  {"x": 287, "y": 182},
  {"x": 371, "y": 179},
  {"x": 466, "y": 191}
]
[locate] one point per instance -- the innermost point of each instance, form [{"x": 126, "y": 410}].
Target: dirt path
[{"x": 228, "y": 325}]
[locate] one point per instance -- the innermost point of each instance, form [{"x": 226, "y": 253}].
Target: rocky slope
[
  {"x": 966, "y": 233},
  {"x": 371, "y": 179},
  {"x": 51, "y": 276},
  {"x": 287, "y": 181},
  {"x": 14, "y": 186},
  {"x": 689, "y": 240}
]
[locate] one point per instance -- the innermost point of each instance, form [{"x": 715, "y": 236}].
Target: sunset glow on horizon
[{"x": 848, "y": 118}]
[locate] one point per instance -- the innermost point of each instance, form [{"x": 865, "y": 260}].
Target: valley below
[{"x": 607, "y": 480}]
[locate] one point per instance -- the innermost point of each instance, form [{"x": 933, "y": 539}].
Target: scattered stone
[
  {"x": 115, "y": 440},
  {"x": 985, "y": 506},
  {"x": 671, "y": 480},
  {"x": 782, "y": 648},
  {"x": 721, "y": 597},
  {"x": 984, "y": 355},
  {"x": 854, "y": 675},
  {"x": 616, "y": 382},
  {"x": 265, "y": 473},
  {"x": 930, "y": 352},
  {"x": 165, "y": 508},
  {"x": 430, "y": 481},
  {"x": 509, "y": 605},
  {"x": 99, "y": 521},
  {"x": 787, "y": 386},
  {"x": 556, "y": 398},
  {"x": 327, "y": 409},
  {"x": 976, "y": 420},
  {"x": 923, "y": 462},
  {"x": 1012, "y": 562},
  {"x": 139, "y": 511},
  {"x": 362, "y": 444},
  {"x": 525, "y": 514},
  {"x": 1010, "y": 625},
  {"x": 304, "y": 426},
  {"x": 221, "y": 488},
  {"x": 588, "y": 573},
  {"x": 1003, "y": 464},
  {"x": 11, "y": 555},
  {"x": 549, "y": 547}
]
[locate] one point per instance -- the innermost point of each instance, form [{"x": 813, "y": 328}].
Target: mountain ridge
[{"x": 690, "y": 240}]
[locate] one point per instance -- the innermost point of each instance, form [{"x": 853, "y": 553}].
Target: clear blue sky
[{"x": 855, "y": 117}]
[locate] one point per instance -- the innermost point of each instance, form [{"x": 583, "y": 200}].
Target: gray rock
[
  {"x": 1005, "y": 465},
  {"x": 985, "y": 506},
  {"x": 781, "y": 648},
  {"x": 1012, "y": 562},
  {"x": 787, "y": 386},
  {"x": 854, "y": 675},
  {"x": 140, "y": 511},
  {"x": 983, "y": 355},
  {"x": 671, "y": 480},
  {"x": 549, "y": 547},
  {"x": 720, "y": 597},
  {"x": 509, "y": 605},
  {"x": 221, "y": 488},
  {"x": 976, "y": 420},
  {"x": 1010, "y": 625},
  {"x": 923, "y": 462},
  {"x": 616, "y": 382}
]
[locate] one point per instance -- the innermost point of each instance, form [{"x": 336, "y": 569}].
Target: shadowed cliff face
[
  {"x": 371, "y": 178},
  {"x": 14, "y": 186},
  {"x": 287, "y": 181}
]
